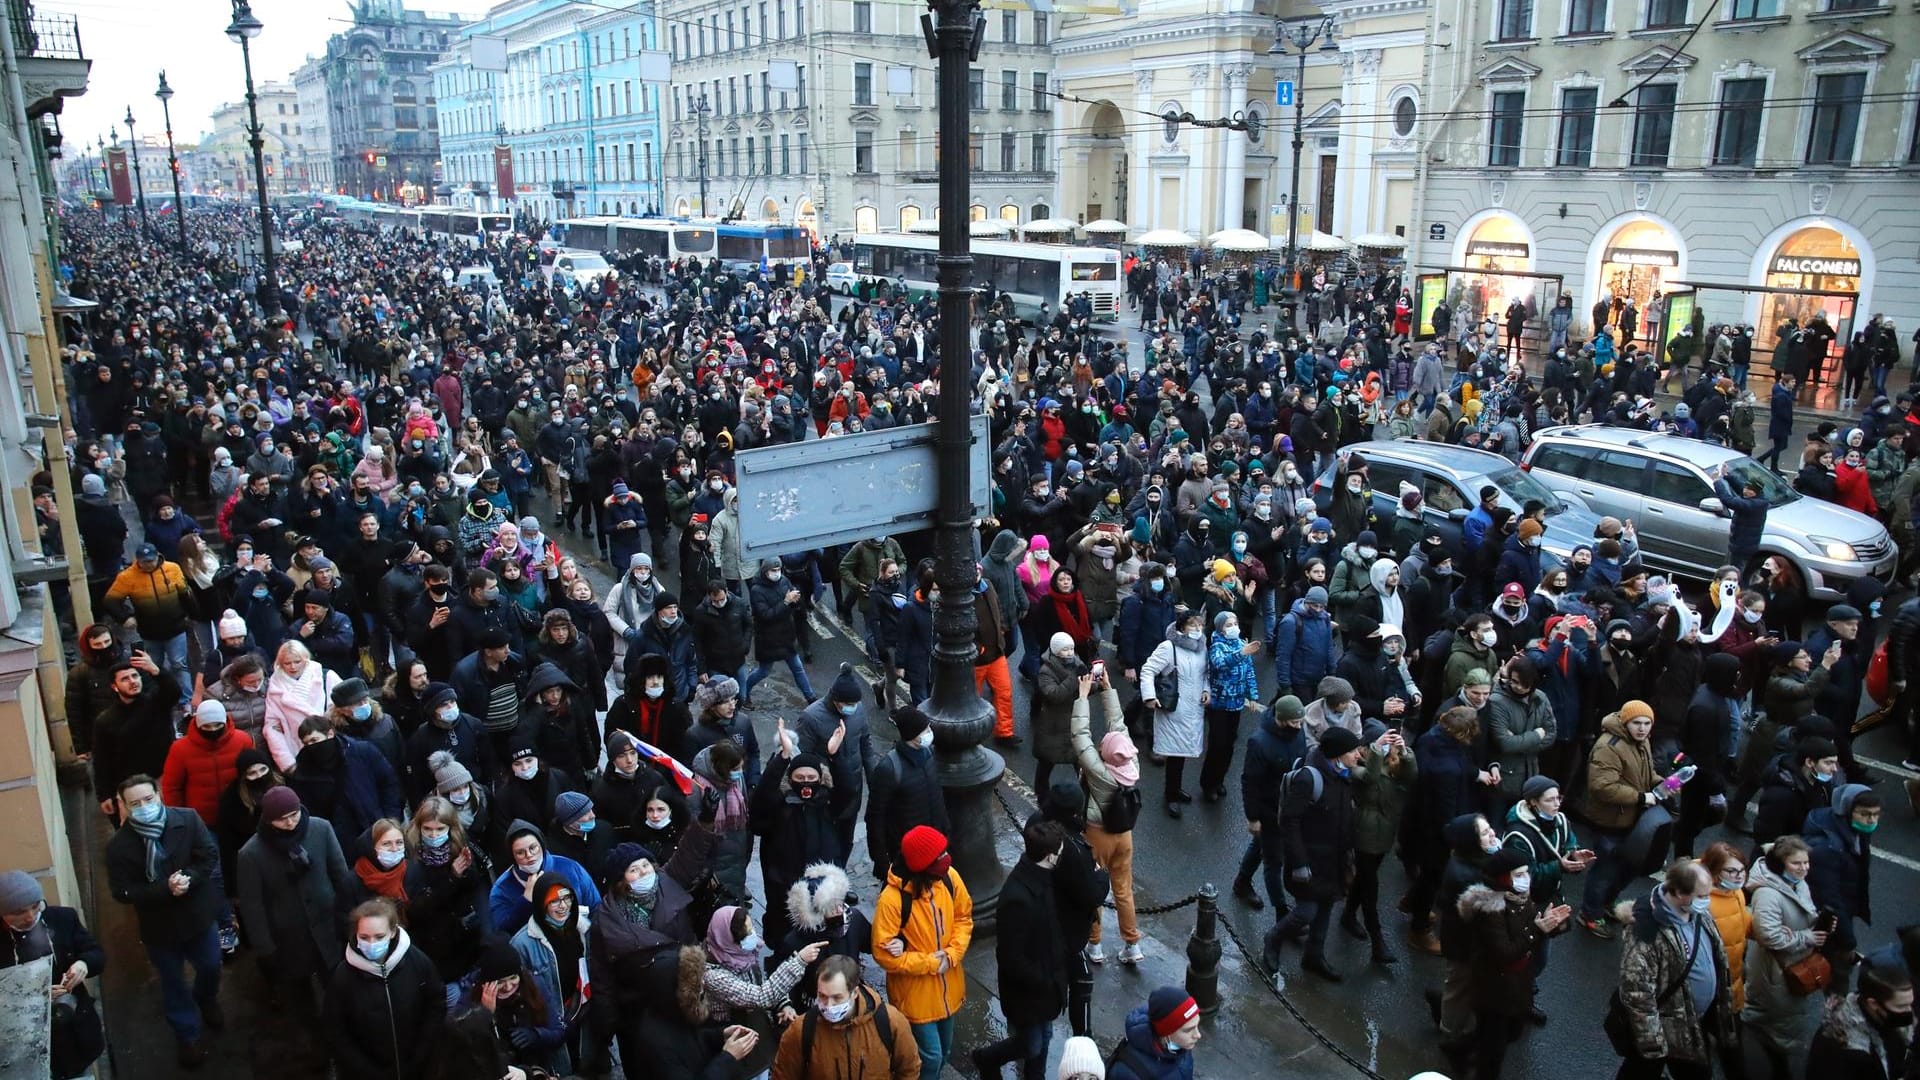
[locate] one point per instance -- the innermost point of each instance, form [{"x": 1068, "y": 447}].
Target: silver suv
[{"x": 1660, "y": 481}]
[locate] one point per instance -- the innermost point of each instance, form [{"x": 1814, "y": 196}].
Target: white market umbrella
[
  {"x": 1380, "y": 242},
  {"x": 1165, "y": 238},
  {"x": 1105, "y": 225},
  {"x": 1050, "y": 226},
  {"x": 1243, "y": 240},
  {"x": 1313, "y": 241},
  {"x": 989, "y": 227},
  {"x": 925, "y": 225}
]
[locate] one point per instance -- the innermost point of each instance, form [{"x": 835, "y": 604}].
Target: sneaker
[
  {"x": 229, "y": 938},
  {"x": 1132, "y": 954},
  {"x": 1599, "y": 928},
  {"x": 1096, "y": 954}
]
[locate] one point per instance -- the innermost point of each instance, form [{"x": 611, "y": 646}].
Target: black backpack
[
  {"x": 1123, "y": 1051},
  {"x": 881, "y": 1021},
  {"x": 1119, "y": 813},
  {"x": 1300, "y": 767}
]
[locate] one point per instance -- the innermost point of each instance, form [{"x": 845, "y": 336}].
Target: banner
[
  {"x": 118, "y": 176},
  {"x": 1429, "y": 291},
  {"x": 503, "y": 171}
]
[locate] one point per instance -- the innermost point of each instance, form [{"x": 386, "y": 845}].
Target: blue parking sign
[{"x": 1283, "y": 93}]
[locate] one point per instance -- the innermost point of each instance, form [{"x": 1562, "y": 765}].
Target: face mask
[
  {"x": 492, "y": 593},
  {"x": 1521, "y": 884},
  {"x": 1390, "y": 650},
  {"x": 1864, "y": 827},
  {"x": 1823, "y": 777},
  {"x": 1488, "y": 637},
  {"x": 149, "y": 813},
  {"x": 924, "y": 739},
  {"x": 849, "y": 710},
  {"x": 586, "y": 827},
  {"x": 1368, "y": 552},
  {"x": 659, "y": 825},
  {"x": 736, "y": 776},
  {"x": 1701, "y": 906},
  {"x": 459, "y": 798},
  {"x": 1172, "y": 1047},
  {"x": 389, "y": 859},
  {"x": 1239, "y": 547},
  {"x": 833, "y": 1014},
  {"x": 449, "y": 713},
  {"x": 375, "y": 951},
  {"x": 1729, "y": 886},
  {"x": 750, "y": 943},
  {"x": 1354, "y": 485},
  {"x": 527, "y": 772},
  {"x": 1492, "y": 848},
  {"x": 363, "y": 710},
  {"x": 1231, "y": 633},
  {"x": 436, "y": 840},
  {"x": 1751, "y": 616},
  {"x": 260, "y": 592},
  {"x": 1193, "y": 635},
  {"x": 669, "y": 620}
]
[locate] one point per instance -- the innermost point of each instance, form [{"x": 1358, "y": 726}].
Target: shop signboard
[
  {"x": 1499, "y": 249},
  {"x": 1429, "y": 291},
  {"x": 1680, "y": 309},
  {"x": 1625, "y": 256},
  {"x": 1804, "y": 264}
]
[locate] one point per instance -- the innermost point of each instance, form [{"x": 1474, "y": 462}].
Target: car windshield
[
  {"x": 1742, "y": 471},
  {"x": 588, "y": 262},
  {"x": 1516, "y": 488}
]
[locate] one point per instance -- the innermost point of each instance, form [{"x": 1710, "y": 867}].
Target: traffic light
[{"x": 369, "y": 157}]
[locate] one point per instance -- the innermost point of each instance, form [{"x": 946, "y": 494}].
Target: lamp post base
[{"x": 969, "y": 772}]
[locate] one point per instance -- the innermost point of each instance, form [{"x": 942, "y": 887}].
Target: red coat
[
  {"x": 198, "y": 772},
  {"x": 1852, "y": 490}
]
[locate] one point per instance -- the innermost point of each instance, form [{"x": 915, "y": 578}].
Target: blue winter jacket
[
  {"x": 1303, "y": 649},
  {"x": 1144, "y": 618},
  {"x": 1147, "y": 1056}
]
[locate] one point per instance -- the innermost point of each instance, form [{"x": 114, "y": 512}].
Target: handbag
[
  {"x": 1166, "y": 685},
  {"x": 1808, "y": 975},
  {"x": 1879, "y": 678}
]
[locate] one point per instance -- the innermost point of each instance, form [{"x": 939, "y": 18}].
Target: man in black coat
[
  {"x": 1317, "y": 823},
  {"x": 1080, "y": 886},
  {"x": 164, "y": 864},
  {"x": 722, "y": 629},
  {"x": 1033, "y": 978},
  {"x": 904, "y": 790},
  {"x": 135, "y": 732}
]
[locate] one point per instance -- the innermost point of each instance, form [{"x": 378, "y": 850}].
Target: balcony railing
[{"x": 51, "y": 36}]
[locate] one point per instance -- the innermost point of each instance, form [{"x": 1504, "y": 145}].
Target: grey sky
[{"x": 130, "y": 41}]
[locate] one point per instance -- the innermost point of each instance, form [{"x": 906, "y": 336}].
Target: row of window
[
  {"x": 1838, "y": 111},
  {"x": 689, "y": 100},
  {"x": 735, "y": 28},
  {"x": 1515, "y": 18},
  {"x": 726, "y": 157},
  {"x": 907, "y": 152}
]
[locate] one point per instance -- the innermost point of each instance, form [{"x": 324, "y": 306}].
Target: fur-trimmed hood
[
  {"x": 679, "y": 978},
  {"x": 1479, "y": 900},
  {"x": 821, "y": 888}
]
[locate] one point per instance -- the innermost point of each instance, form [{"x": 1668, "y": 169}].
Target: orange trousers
[
  {"x": 995, "y": 676},
  {"x": 1114, "y": 853}
]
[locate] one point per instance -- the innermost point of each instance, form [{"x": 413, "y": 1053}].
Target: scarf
[
  {"x": 291, "y": 845},
  {"x": 725, "y": 950},
  {"x": 636, "y": 600},
  {"x": 391, "y": 884},
  {"x": 435, "y": 856},
  {"x": 731, "y": 815},
  {"x": 156, "y": 851},
  {"x": 638, "y": 906},
  {"x": 1071, "y": 611}
]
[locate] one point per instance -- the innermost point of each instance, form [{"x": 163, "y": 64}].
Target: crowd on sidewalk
[{"x": 359, "y": 720}]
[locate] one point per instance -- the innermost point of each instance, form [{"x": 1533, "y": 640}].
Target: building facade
[
  {"x": 310, "y": 104},
  {"x": 825, "y": 115},
  {"x": 380, "y": 106},
  {"x": 223, "y": 161},
  {"x": 1128, "y": 156},
  {"x": 1773, "y": 157}
]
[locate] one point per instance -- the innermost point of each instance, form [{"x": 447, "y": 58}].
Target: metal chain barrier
[{"x": 1251, "y": 958}]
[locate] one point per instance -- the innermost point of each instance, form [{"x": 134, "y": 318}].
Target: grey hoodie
[{"x": 998, "y": 568}]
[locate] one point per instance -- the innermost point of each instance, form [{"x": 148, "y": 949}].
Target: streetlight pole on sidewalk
[
  {"x": 165, "y": 94},
  {"x": 969, "y": 771},
  {"x": 1303, "y": 36},
  {"x": 244, "y": 28}
]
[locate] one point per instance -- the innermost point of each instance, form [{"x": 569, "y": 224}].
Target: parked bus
[
  {"x": 654, "y": 238},
  {"x": 464, "y": 223},
  {"x": 744, "y": 246},
  {"x": 1031, "y": 273}
]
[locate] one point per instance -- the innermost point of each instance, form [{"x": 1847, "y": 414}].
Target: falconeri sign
[{"x": 1797, "y": 264}]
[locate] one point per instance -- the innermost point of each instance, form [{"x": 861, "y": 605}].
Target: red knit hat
[
  {"x": 922, "y": 845},
  {"x": 1168, "y": 1010}
]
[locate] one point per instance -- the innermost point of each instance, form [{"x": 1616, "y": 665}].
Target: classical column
[
  {"x": 1193, "y": 217},
  {"x": 1233, "y": 185},
  {"x": 1057, "y": 146},
  {"x": 1359, "y": 96},
  {"x": 1143, "y": 190}
]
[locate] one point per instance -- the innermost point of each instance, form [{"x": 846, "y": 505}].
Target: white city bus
[
  {"x": 656, "y": 238},
  {"x": 1031, "y": 273}
]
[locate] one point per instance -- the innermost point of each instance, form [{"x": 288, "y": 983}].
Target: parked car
[
  {"x": 580, "y": 268},
  {"x": 841, "y": 278},
  {"x": 1660, "y": 481},
  {"x": 480, "y": 279},
  {"x": 1450, "y": 478}
]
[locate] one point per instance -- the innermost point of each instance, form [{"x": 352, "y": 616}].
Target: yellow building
[{"x": 1126, "y": 154}]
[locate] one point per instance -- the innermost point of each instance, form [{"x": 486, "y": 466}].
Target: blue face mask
[
  {"x": 849, "y": 710},
  {"x": 389, "y": 859},
  {"x": 1157, "y": 585},
  {"x": 645, "y": 883},
  {"x": 1343, "y": 771},
  {"x": 363, "y": 710},
  {"x": 586, "y": 827},
  {"x": 492, "y": 593},
  {"x": 260, "y": 593},
  {"x": 375, "y": 951},
  {"x": 149, "y": 813},
  {"x": 750, "y": 943},
  {"x": 1702, "y": 906},
  {"x": 1823, "y": 777},
  {"x": 436, "y": 840},
  {"x": 737, "y": 776}
]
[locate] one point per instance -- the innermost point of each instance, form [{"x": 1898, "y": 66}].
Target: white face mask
[
  {"x": 834, "y": 1014},
  {"x": 1488, "y": 637},
  {"x": 924, "y": 739},
  {"x": 1522, "y": 883}
]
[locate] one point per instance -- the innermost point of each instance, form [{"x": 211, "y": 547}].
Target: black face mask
[{"x": 324, "y": 755}]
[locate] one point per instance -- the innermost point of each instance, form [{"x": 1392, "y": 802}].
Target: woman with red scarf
[
  {"x": 1063, "y": 610},
  {"x": 381, "y": 868}
]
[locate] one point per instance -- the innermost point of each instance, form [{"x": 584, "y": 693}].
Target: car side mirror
[
  {"x": 1715, "y": 506},
  {"x": 1458, "y": 513}
]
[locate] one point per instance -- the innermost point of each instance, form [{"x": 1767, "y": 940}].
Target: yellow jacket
[
  {"x": 1735, "y": 920},
  {"x": 939, "y": 920}
]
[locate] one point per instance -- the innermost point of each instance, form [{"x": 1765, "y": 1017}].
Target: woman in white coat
[
  {"x": 1177, "y": 725},
  {"x": 1784, "y": 913},
  {"x": 298, "y": 688}
]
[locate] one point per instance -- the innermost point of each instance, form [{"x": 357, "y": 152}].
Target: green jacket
[
  {"x": 860, "y": 566},
  {"x": 1885, "y": 463},
  {"x": 1543, "y": 843},
  {"x": 1379, "y": 794}
]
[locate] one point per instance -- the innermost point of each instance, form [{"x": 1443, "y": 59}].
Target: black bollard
[{"x": 1203, "y": 952}]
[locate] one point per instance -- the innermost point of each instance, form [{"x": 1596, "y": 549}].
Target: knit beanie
[
  {"x": 570, "y": 807},
  {"x": 922, "y": 845},
  {"x": 1168, "y": 1010},
  {"x": 1081, "y": 1059},
  {"x": 278, "y": 802},
  {"x": 19, "y": 890},
  {"x": 448, "y": 772},
  {"x": 846, "y": 687},
  {"x": 231, "y": 624}
]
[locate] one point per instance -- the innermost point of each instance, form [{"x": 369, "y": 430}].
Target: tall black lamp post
[
  {"x": 139, "y": 185},
  {"x": 962, "y": 721},
  {"x": 1302, "y": 35},
  {"x": 106, "y": 175},
  {"x": 165, "y": 94},
  {"x": 244, "y": 28}
]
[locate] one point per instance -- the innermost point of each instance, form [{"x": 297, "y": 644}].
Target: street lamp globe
[
  {"x": 129, "y": 119},
  {"x": 165, "y": 93},
  {"x": 245, "y": 25}
]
